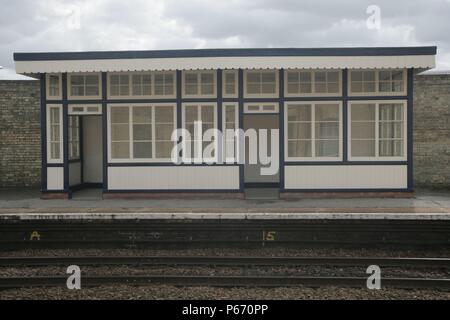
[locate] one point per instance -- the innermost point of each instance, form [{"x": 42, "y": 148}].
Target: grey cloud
[{"x": 162, "y": 24}]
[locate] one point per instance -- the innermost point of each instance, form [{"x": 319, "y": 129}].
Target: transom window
[
  {"x": 230, "y": 83},
  {"x": 84, "y": 85},
  {"x": 383, "y": 82},
  {"x": 261, "y": 83},
  {"x": 193, "y": 116},
  {"x": 54, "y": 86},
  {"x": 142, "y": 132},
  {"x": 306, "y": 83},
  {"x": 74, "y": 137},
  {"x": 161, "y": 84},
  {"x": 199, "y": 83},
  {"x": 377, "y": 130},
  {"x": 313, "y": 130}
]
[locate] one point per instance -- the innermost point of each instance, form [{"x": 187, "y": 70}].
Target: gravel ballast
[{"x": 158, "y": 292}]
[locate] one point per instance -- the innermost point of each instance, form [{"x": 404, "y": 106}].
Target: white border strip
[{"x": 226, "y": 216}]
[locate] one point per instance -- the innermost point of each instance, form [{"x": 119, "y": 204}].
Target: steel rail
[
  {"x": 225, "y": 261},
  {"x": 225, "y": 281}
]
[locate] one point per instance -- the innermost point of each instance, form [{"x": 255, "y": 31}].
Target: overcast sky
[{"x": 58, "y": 25}]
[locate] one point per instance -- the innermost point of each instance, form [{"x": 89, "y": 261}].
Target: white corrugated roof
[
  {"x": 11, "y": 75},
  {"x": 321, "y": 62},
  {"x": 435, "y": 72}
]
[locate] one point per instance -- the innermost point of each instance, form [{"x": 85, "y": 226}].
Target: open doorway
[{"x": 86, "y": 172}]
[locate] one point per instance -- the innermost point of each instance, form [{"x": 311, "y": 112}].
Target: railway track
[
  {"x": 224, "y": 261},
  {"x": 225, "y": 281}
]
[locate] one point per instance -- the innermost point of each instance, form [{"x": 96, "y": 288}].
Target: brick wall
[
  {"x": 432, "y": 131},
  {"x": 20, "y": 155}
]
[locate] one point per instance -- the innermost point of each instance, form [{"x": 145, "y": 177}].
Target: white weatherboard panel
[
  {"x": 55, "y": 178},
  {"x": 274, "y": 62},
  {"x": 346, "y": 177},
  {"x": 173, "y": 178},
  {"x": 74, "y": 173}
]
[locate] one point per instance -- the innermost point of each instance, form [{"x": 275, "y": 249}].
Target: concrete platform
[{"x": 88, "y": 204}]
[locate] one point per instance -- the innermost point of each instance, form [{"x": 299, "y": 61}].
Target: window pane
[
  {"x": 54, "y": 86},
  {"x": 268, "y": 77},
  {"x": 120, "y": 150},
  {"x": 77, "y": 80},
  {"x": 363, "y": 130},
  {"x": 55, "y": 150},
  {"x": 293, "y": 77},
  {"x": 191, "y": 114},
  {"x": 254, "y": 77},
  {"x": 92, "y": 91},
  {"x": 120, "y": 132},
  {"x": 142, "y": 150},
  {"x": 299, "y": 131},
  {"x": 356, "y": 76},
  {"x": 164, "y": 149},
  {"x": 363, "y": 112},
  {"x": 124, "y": 90},
  {"x": 293, "y": 88},
  {"x": 333, "y": 76},
  {"x": 207, "y": 78},
  {"x": 363, "y": 148},
  {"x": 320, "y": 87},
  {"x": 327, "y": 130},
  {"x": 333, "y": 88},
  {"x": 54, "y": 134},
  {"x": 141, "y": 132},
  {"x": 120, "y": 115},
  {"x": 207, "y": 113},
  {"x": 163, "y": 131},
  {"x": 384, "y": 75},
  {"x": 327, "y": 148},
  {"x": 164, "y": 114},
  {"x": 230, "y": 114},
  {"x": 299, "y": 112},
  {"x": 159, "y": 84},
  {"x": 397, "y": 75},
  {"x": 114, "y": 90},
  {"x": 299, "y": 148},
  {"x": 207, "y": 88},
  {"x": 54, "y": 115},
  {"x": 320, "y": 76},
  {"x": 191, "y": 89},
  {"x": 369, "y": 75},
  {"x": 305, "y": 88},
  {"x": 268, "y": 88},
  {"x": 253, "y": 88},
  {"x": 230, "y": 83},
  {"x": 369, "y": 87},
  {"x": 327, "y": 112},
  {"x": 356, "y": 87},
  {"x": 93, "y": 80},
  {"x": 391, "y": 148},
  {"x": 142, "y": 115},
  {"x": 391, "y": 112},
  {"x": 77, "y": 91},
  {"x": 305, "y": 77}
]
